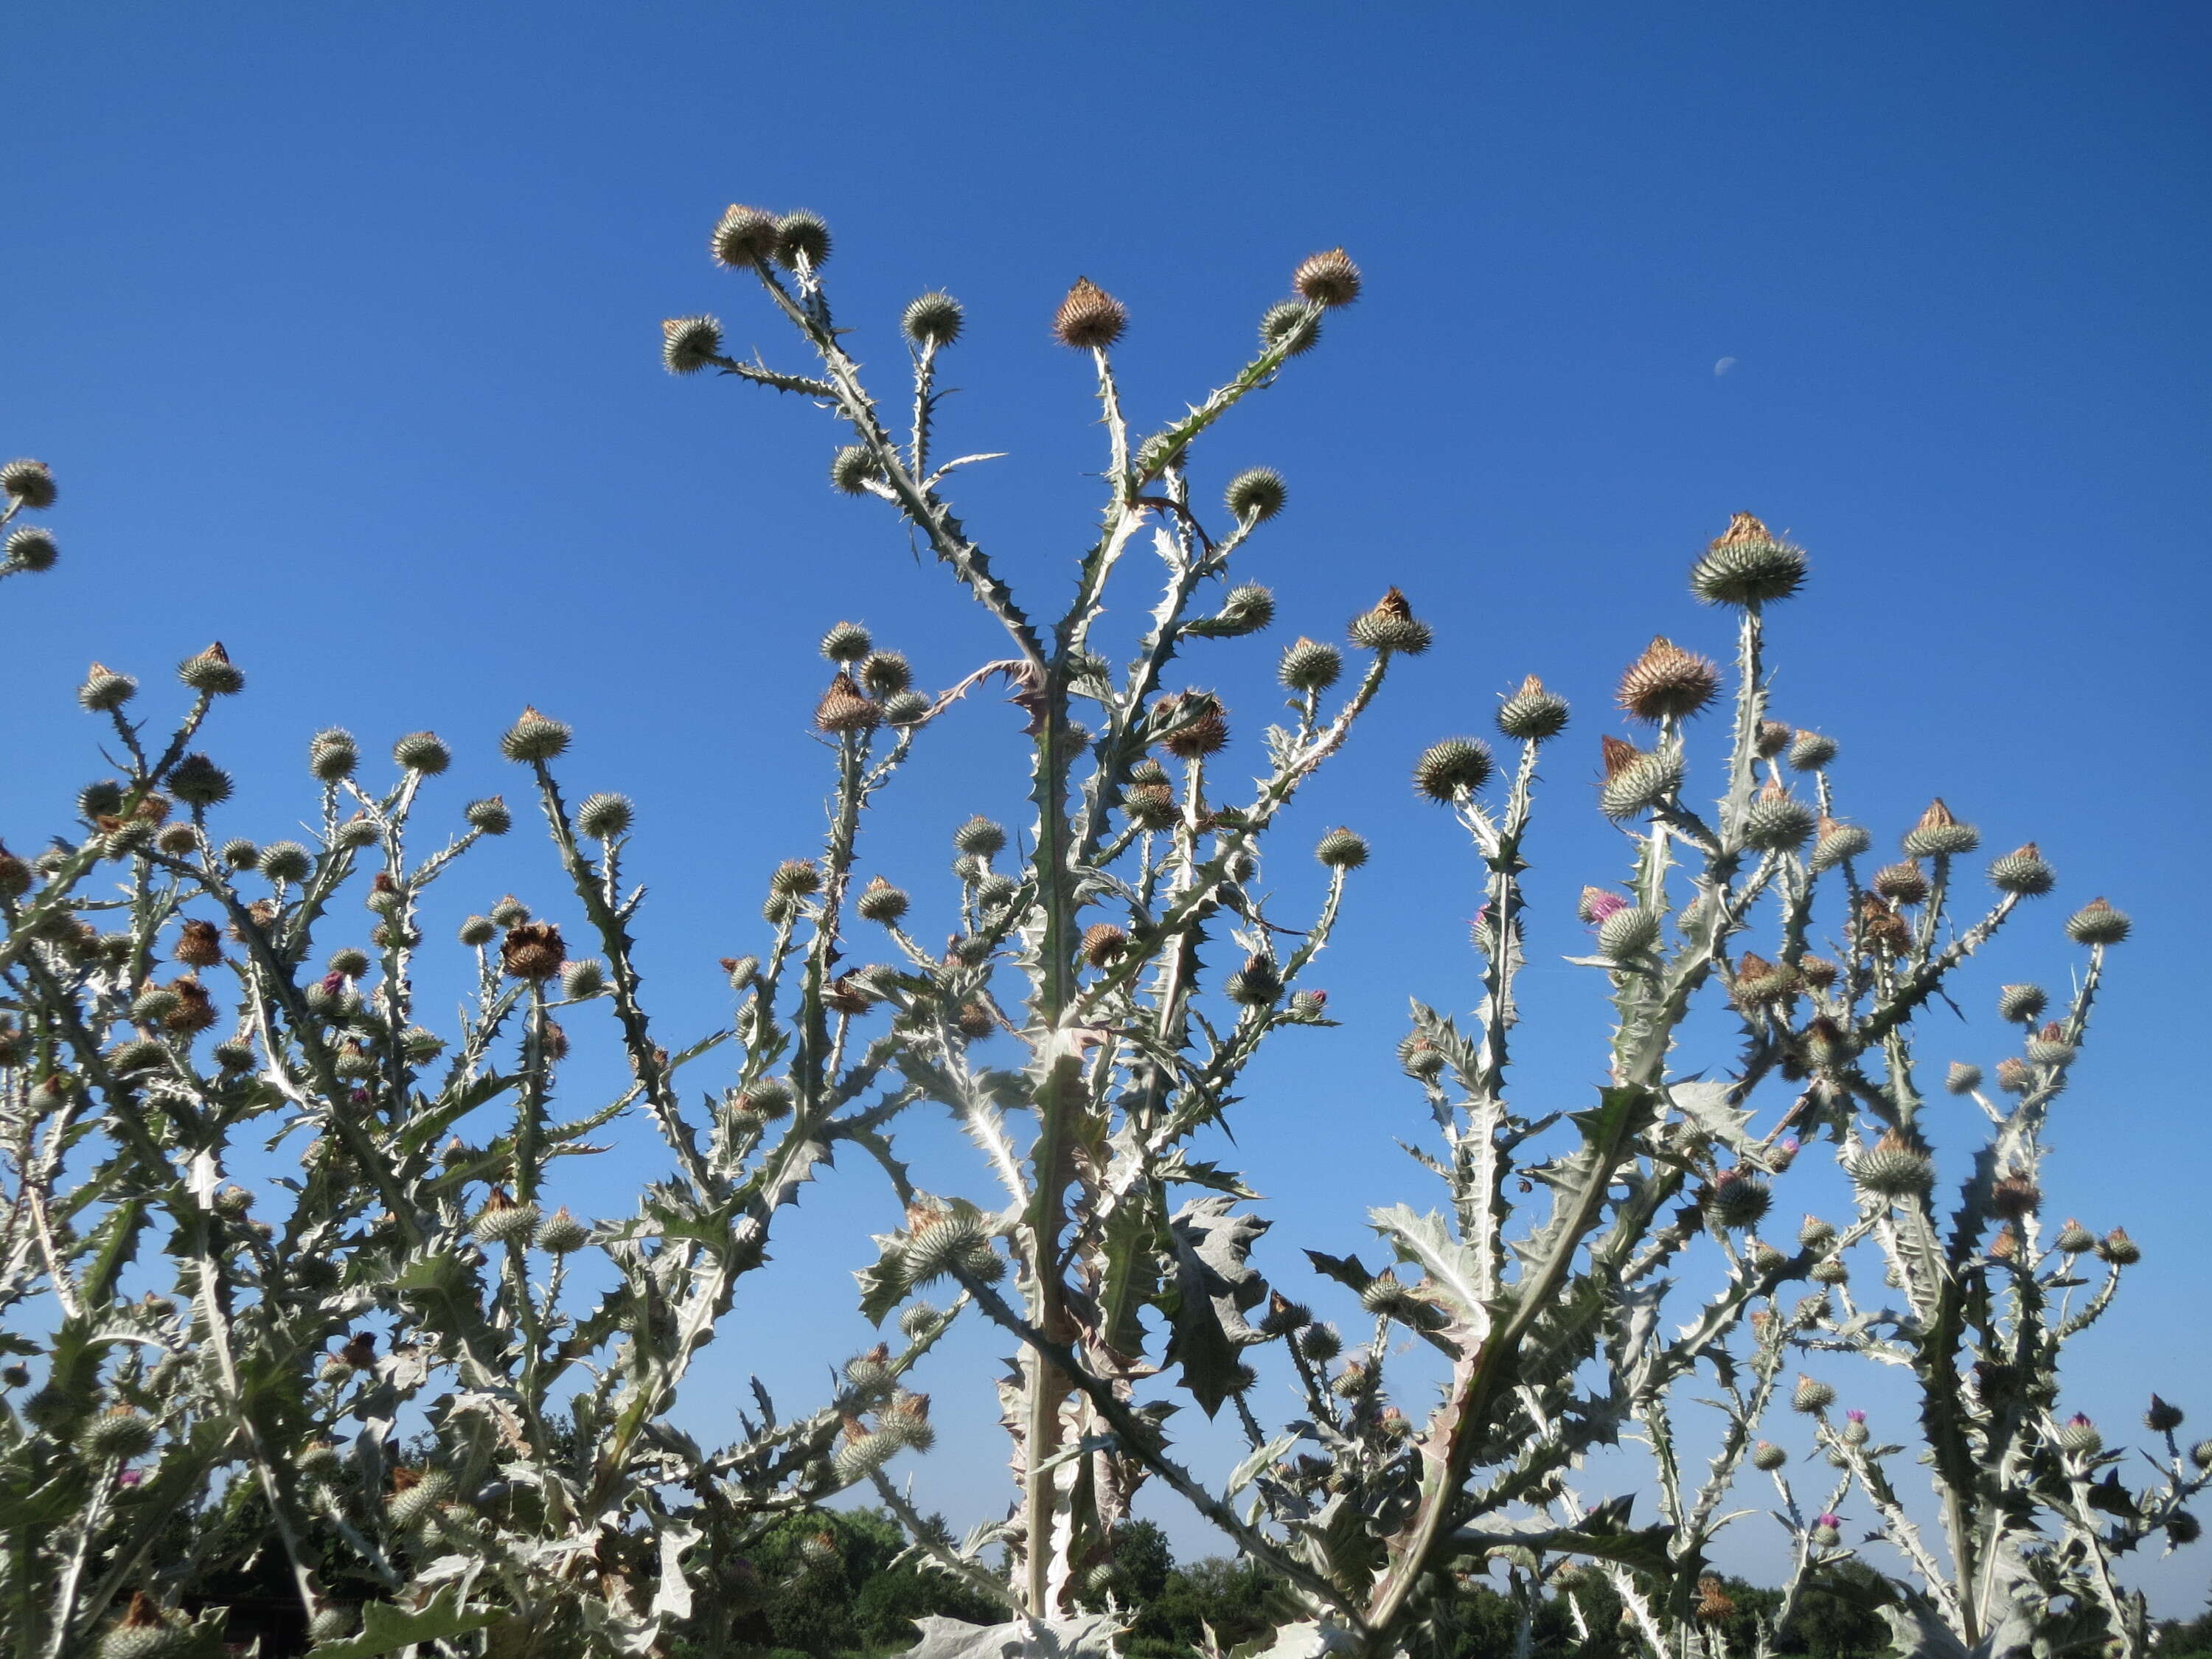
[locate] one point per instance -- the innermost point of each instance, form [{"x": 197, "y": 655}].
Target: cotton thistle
[
  {"x": 1391, "y": 626},
  {"x": 1329, "y": 278},
  {"x": 1532, "y": 714},
  {"x": 1666, "y": 683},
  {"x": 1089, "y": 319},
  {"x": 1255, "y": 495},
  {"x": 933, "y": 319},
  {"x": 1747, "y": 566},
  {"x": 1940, "y": 835}
]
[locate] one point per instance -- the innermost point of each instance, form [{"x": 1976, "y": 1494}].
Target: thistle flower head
[
  {"x": 1292, "y": 324},
  {"x": 1666, "y": 683},
  {"x": 1627, "y": 932},
  {"x": 1747, "y": 566},
  {"x": 1391, "y": 626},
  {"x": 2023, "y": 872},
  {"x": 1811, "y": 1395},
  {"x": 197, "y": 782},
  {"x": 2117, "y": 1248},
  {"x": 743, "y": 237},
  {"x": 1329, "y": 279},
  {"x": 1089, "y": 318},
  {"x": 846, "y": 708},
  {"x": 1257, "y": 493},
  {"x": 881, "y": 901},
  {"x": 212, "y": 672},
  {"x": 1197, "y": 724},
  {"x": 1778, "y": 821},
  {"x": 1962, "y": 1078},
  {"x": 605, "y": 815},
  {"x": 1310, "y": 666},
  {"x": 1342, "y": 849},
  {"x": 423, "y": 752},
  {"x": 933, "y": 319},
  {"x": 1635, "y": 781},
  {"x": 802, "y": 237},
  {"x": 1940, "y": 835},
  {"x": 1811, "y": 750},
  {"x": 1737, "y": 1200},
  {"x": 1893, "y": 1168},
  {"x": 1455, "y": 767},
  {"x": 1901, "y": 884},
  {"x": 1532, "y": 714},
  {"x": 687, "y": 344},
  {"x": 533, "y": 951},
  {"x": 2098, "y": 923},
  {"x": 29, "y": 483},
  {"x": 847, "y": 643},
  {"x": 30, "y": 548},
  {"x": 884, "y": 673},
  {"x": 1597, "y": 903},
  {"x": 533, "y": 737}
]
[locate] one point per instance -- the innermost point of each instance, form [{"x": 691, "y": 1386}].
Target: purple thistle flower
[
  {"x": 1597, "y": 903},
  {"x": 128, "y": 1477},
  {"x": 1831, "y": 1522},
  {"x": 1856, "y": 1417}
]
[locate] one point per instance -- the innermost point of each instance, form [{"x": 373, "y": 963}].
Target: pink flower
[
  {"x": 1856, "y": 1417},
  {"x": 128, "y": 1477},
  {"x": 1832, "y": 1521},
  {"x": 333, "y": 983},
  {"x": 1596, "y": 904}
]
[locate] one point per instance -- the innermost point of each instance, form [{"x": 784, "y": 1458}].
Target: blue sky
[{"x": 338, "y": 325}]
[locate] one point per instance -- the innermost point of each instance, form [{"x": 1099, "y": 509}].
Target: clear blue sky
[{"x": 339, "y": 324}]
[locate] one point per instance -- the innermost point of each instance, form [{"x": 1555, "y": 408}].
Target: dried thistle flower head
[
  {"x": 744, "y": 237},
  {"x": 1197, "y": 724},
  {"x": 1392, "y": 626},
  {"x": 845, "y": 708},
  {"x": 933, "y": 319},
  {"x": 795, "y": 878},
  {"x": 1329, "y": 278},
  {"x": 1089, "y": 319},
  {"x": 1102, "y": 942},
  {"x": 1634, "y": 780},
  {"x": 1666, "y": 683},
  {"x": 1838, "y": 842},
  {"x": 532, "y": 950},
  {"x": 1774, "y": 738},
  {"x": 884, "y": 673},
  {"x": 1901, "y": 884},
  {"x": 2016, "y": 1197},
  {"x": 1747, "y": 566},
  {"x": 1940, "y": 835}
]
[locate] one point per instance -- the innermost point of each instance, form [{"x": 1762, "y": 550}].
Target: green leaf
[
  {"x": 386, "y": 1628},
  {"x": 1213, "y": 1286}
]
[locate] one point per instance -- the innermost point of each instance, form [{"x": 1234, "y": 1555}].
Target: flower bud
[
  {"x": 1342, "y": 849},
  {"x": 1811, "y": 1395},
  {"x": 478, "y": 931},
  {"x": 502, "y": 1220},
  {"x": 1255, "y": 495},
  {"x": 884, "y": 673},
  {"x": 562, "y": 1234},
  {"x": 1767, "y": 1456},
  {"x": 1901, "y": 884},
  {"x": 1455, "y": 767},
  {"x": 2078, "y": 1436},
  {"x": 853, "y": 469},
  {"x": 1893, "y": 1168},
  {"x": 802, "y": 238},
  {"x": 1292, "y": 325},
  {"x": 197, "y": 782},
  {"x": 581, "y": 980},
  {"x": 2161, "y": 1417},
  {"x": 1310, "y": 666},
  {"x": 1737, "y": 1200},
  {"x": 2075, "y": 1239},
  {"x": 1778, "y": 821},
  {"x": 286, "y": 860},
  {"x": 881, "y": 901},
  {"x": 933, "y": 319},
  {"x": 1838, "y": 842},
  {"x": 1627, "y": 932},
  {"x": 1635, "y": 781},
  {"x": 1962, "y": 1078},
  {"x": 423, "y": 752},
  {"x": 1811, "y": 750},
  {"x": 2117, "y": 1248},
  {"x": 604, "y": 817}
]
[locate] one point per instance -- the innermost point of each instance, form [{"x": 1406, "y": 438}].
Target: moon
[{"x": 1723, "y": 366}]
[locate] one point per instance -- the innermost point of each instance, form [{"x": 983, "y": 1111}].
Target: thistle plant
[
  {"x": 1086, "y": 946},
  {"x": 443, "y": 1399},
  {"x": 450, "y": 1406}
]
